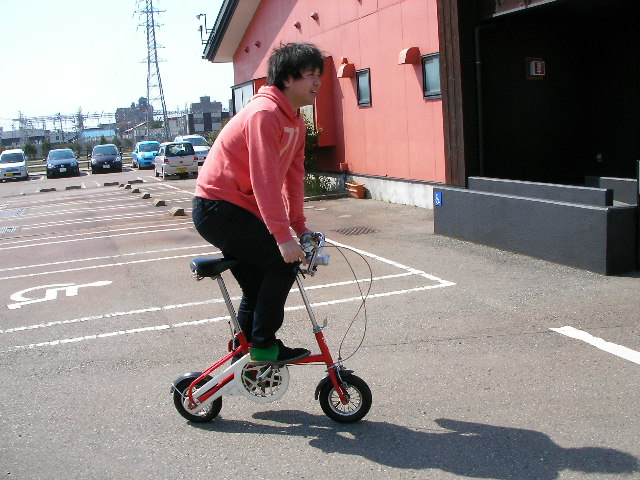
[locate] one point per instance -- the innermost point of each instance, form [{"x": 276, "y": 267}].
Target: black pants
[{"x": 263, "y": 275}]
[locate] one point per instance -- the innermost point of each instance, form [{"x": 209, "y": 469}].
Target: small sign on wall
[{"x": 536, "y": 68}]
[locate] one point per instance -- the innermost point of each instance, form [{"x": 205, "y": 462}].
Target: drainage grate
[
  {"x": 13, "y": 213},
  {"x": 355, "y": 230},
  {"x": 8, "y": 229}
]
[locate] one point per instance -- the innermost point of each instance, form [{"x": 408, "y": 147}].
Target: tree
[
  {"x": 103, "y": 140},
  {"x": 30, "y": 150},
  {"x": 77, "y": 147},
  {"x": 46, "y": 148},
  {"x": 211, "y": 136}
]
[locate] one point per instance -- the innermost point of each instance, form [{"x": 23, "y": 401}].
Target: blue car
[{"x": 144, "y": 153}]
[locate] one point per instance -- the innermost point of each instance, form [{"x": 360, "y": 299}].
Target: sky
[{"x": 58, "y": 57}]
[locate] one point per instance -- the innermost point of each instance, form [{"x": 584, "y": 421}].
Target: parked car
[
  {"x": 199, "y": 143},
  {"x": 176, "y": 158},
  {"x": 144, "y": 153},
  {"x": 62, "y": 161},
  {"x": 106, "y": 158},
  {"x": 13, "y": 165}
]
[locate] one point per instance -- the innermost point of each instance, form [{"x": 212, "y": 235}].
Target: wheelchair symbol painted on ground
[{"x": 51, "y": 292}]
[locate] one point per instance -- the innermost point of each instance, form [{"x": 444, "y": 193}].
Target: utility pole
[{"x": 154, "y": 82}]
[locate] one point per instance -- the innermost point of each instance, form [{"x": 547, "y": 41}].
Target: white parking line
[
  {"x": 408, "y": 271},
  {"x": 163, "y": 215},
  {"x": 91, "y": 267},
  {"x": 613, "y": 348},
  {"x": 85, "y": 238}
]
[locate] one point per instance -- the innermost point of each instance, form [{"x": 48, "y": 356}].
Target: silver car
[
  {"x": 13, "y": 165},
  {"x": 176, "y": 158}
]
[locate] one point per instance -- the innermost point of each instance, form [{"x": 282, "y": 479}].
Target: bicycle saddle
[{"x": 211, "y": 267}]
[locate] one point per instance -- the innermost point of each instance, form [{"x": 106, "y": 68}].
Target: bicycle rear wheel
[{"x": 180, "y": 393}]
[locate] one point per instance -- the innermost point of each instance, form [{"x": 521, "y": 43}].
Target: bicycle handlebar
[{"x": 312, "y": 244}]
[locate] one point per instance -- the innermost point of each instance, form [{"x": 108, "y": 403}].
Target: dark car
[
  {"x": 62, "y": 161},
  {"x": 106, "y": 158}
]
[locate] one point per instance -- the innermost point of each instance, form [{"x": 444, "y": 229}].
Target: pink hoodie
[{"x": 257, "y": 163}]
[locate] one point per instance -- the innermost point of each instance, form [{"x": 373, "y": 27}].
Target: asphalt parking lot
[{"x": 482, "y": 363}]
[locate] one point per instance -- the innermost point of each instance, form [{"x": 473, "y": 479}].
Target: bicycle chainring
[{"x": 264, "y": 384}]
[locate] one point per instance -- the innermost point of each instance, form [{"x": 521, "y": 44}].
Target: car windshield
[
  {"x": 197, "y": 141},
  {"x": 61, "y": 154},
  {"x": 11, "y": 158},
  {"x": 149, "y": 147},
  {"x": 105, "y": 150},
  {"x": 179, "y": 149}
]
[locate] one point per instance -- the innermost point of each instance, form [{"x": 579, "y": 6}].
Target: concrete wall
[
  {"x": 625, "y": 190},
  {"x": 403, "y": 192},
  {"x": 599, "y": 239},
  {"x": 600, "y": 197}
]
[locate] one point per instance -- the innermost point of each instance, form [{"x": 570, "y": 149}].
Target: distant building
[
  {"x": 94, "y": 134},
  {"x": 127, "y": 118},
  {"x": 18, "y": 138},
  {"x": 177, "y": 126},
  {"x": 205, "y": 116}
]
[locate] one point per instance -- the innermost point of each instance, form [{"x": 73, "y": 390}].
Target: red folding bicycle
[{"x": 344, "y": 397}]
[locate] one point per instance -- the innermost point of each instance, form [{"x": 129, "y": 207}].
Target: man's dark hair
[{"x": 291, "y": 60}]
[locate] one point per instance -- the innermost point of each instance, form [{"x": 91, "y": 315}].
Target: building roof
[{"x": 231, "y": 24}]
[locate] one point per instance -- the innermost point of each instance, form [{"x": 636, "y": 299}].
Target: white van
[
  {"x": 176, "y": 158},
  {"x": 199, "y": 143},
  {"x": 13, "y": 164}
]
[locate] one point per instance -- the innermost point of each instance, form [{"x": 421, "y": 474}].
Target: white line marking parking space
[
  {"x": 613, "y": 348},
  {"x": 433, "y": 282}
]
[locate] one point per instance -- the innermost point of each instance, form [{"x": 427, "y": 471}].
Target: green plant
[
  {"x": 311, "y": 145},
  {"x": 46, "y": 148},
  {"x": 76, "y": 147},
  {"x": 315, "y": 184},
  {"x": 30, "y": 150},
  {"x": 213, "y": 135}
]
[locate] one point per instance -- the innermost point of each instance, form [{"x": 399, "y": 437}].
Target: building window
[
  {"x": 241, "y": 95},
  {"x": 364, "y": 87},
  {"x": 431, "y": 75}
]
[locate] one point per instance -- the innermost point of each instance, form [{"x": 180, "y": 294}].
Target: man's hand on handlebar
[{"x": 292, "y": 252}]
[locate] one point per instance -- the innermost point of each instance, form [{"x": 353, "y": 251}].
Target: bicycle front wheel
[{"x": 358, "y": 404}]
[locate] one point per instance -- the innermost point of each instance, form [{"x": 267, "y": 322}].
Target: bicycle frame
[{"x": 228, "y": 381}]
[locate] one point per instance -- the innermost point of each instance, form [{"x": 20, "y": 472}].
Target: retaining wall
[{"x": 601, "y": 239}]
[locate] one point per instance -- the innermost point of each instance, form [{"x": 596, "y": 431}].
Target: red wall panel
[{"x": 401, "y": 134}]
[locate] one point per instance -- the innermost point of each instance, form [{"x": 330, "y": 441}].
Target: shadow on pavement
[{"x": 465, "y": 448}]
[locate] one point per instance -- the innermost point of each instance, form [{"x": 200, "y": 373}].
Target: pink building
[{"x": 424, "y": 92}]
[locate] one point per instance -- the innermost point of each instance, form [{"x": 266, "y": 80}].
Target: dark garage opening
[{"x": 578, "y": 115}]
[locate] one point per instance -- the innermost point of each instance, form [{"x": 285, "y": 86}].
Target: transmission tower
[{"x": 154, "y": 82}]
